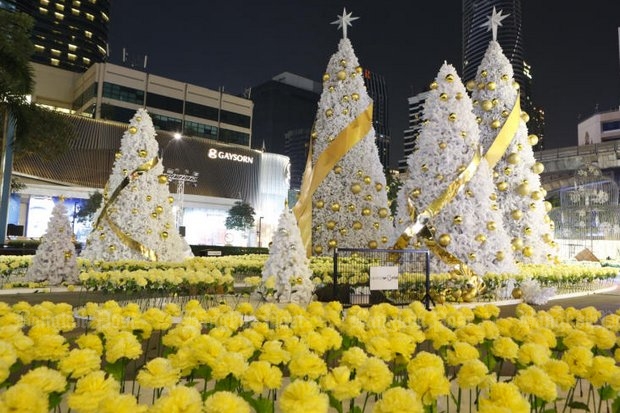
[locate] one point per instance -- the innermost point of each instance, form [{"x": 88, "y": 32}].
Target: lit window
[
  {"x": 71, "y": 57},
  {"x": 88, "y": 34},
  {"x": 86, "y": 60},
  {"x": 101, "y": 50},
  {"x": 77, "y": 3},
  {"x": 55, "y": 52},
  {"x": 54, "y": 62},
  {"x": 44, "y": 2},
  {"x": 59, "y": 16},
  {"x": 72, "y": 47},
  {"x": 90, "y": 17},
  {"x": 60, "y": 7},
  {"x": 75, "y": 12},
  {"x": 39, "y": 48},
  {"x": 105, "y": 17},
  {"x": 42, "y": 10}
]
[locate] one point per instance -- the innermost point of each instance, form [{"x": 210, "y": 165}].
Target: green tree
[
  {"x": 240, "y": 216},
  {"x": 92, "y": 204},
  {"x": 393, "y": 184}
]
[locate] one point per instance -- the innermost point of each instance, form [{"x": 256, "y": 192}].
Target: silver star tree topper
[
  {"x": 493, "y": 21},
  {"x": 343, "y": 21}
]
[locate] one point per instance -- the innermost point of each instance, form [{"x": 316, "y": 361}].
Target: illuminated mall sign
[{"x": 214, "y": 153}]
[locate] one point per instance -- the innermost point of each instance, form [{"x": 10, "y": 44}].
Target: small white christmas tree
[
  {"x": 288, "y": 263},
  {"x": 55, "y": 260},
  {"x": 508, "y": 147},
  {"x": 343, "y": 200},
  {"x": 450, "y": 182},
  {"x": 135, "y": 220}
]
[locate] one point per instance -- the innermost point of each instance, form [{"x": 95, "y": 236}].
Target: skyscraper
[
  {"x": 476, "y": 39},
  {"x": 71, "y": 34},
  {"x": 416, "y": 108},
  {"x": 377, "y": 90}
]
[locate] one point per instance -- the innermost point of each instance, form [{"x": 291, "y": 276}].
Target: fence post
[{"x": 335, "y": 273}]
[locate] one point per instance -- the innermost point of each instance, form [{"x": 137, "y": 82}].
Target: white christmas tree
[
  {"x": 449, "y": 188},
  {"x": 55, "y": 260},
  {"x": 135, "y": 220},
  {"x": 288, "y": 263},
  {"x": 343, "y": 199},
  {"x": 508, "y": 148}
]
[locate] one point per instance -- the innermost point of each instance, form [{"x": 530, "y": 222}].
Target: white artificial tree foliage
[
  {"x": 55, "y": 260},
  {"x": 517, "y": 173},
  {"x": 136, "y": 220},
  {"x": 288, "y": 263},
  {"x": 469, "y": 226},
  {"x": 350, "y": 207}
]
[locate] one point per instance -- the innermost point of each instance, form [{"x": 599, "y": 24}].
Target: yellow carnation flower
[
  {"x": 122, "y": 344},
  {"x": 506, "y": 348},
  {"x": 532, "y": 353},
  {"x": 45, "y": 379},
  {"x": 91, "y": 390},
  {"x": 473, "y": 373},
  {"x": 534, "y": 380},
  {"x": 159, "y": 372},
  {"x": 260, "y": 376},
  {"x": 229, "y": 363},
  {"x": 23, "y": 397},
  {"x": 121, "y": 403},
  {"x": 307, "y": 364},
  {"x": 303, "y": 396},
  {"x": 461, "y": 352},
  {"x": 429, "y": 383},
  {"x": 179, "y": 399},
  {"x": 80, "y": 362},
  {"x": 503, "y": 397},
  {"x": 579, "y": 360},
  {"x": 374, "y": 375},
  {"x": 399, "y": 400},
  {"x": 273, "y": 352},
  {"x": 157, "y": 318},
  {"x": 602, "y": 370},
  {"x": 559, "y": 372},
  {"x": 353, "y": 357},
  {"x": 225, "y": 402},
  {"x": 339, "y": 383}
]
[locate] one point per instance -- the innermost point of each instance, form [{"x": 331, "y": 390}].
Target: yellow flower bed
[{"x": 314, "y": 359}]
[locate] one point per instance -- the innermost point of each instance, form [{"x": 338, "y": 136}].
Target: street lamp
[{"x": 258, "y": 231}]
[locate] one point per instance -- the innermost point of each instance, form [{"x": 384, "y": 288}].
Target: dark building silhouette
[
  {"x": 71, "y": 35},
  {"x": 377, "y": 90},
  {"x": 476, "y": 39},
  {"x": 416, "y": 108}
]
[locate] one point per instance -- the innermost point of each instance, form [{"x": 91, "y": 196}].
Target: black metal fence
[{"x": 373, "y": 276}]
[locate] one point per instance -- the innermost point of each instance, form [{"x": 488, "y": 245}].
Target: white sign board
[{"x": 384, "y": 278}]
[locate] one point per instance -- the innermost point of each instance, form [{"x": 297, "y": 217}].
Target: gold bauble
[
  {"x": 439, "y": 177},
  {"x": 444, "y": 240},
  {"x": 472, "y": 256},
  {"x": 372, "y": 244},
  {"x": 516, "y": 214},
  {"x": 337, "y": 169},
  {"x": 487, "y": 105},
  {"x": 443, "y": 145},
  {"x": 513, "y": 158},
  {"x": 320, "y": 204},
  {"x": 329, "y": 113},
  {"x": 433, "y": 86},
  {"x": 112, "y": 247},
  {"x": 523, "y": 189},
  {"x": 517, "y": 244},
  {"x": 366, "y": 211},
  {"x": 159, "y": 209},
  {"x": 68, "y": 254},
  {"x": 384, "y": 240},
  {"x": 458, "y": 220},
  {"x": 493, "y": 196},
  {"x": 343, "y": 231},
  {"x": 343, "y": 62},
  {"x": 507, "y": 170},
  {"x": 378, "y": 186},
  {"x": 491, "y": 86},
  {"x": 517, "y": 293},
  {"x": 532, "y": 139},
  {"x": 478, "y": 120},
  {"x": 505, "y": 77},
  {"x": 480, "y": 86},
  {"x": 491, "y": 226},
  {"x": 516, "y": 85},
  {"x": 331, "y": 88},
  {"x": 415, "y": 192},
  {"x": 458, "y": 96},
  {"x": 527, "y": 231},
  {"x": 162, "y": 179},
  {"x": 528, "y": 251},
  {"x": 536, "y": 195},
  {"x": 142, "y": 153},
  {"x": 424, "y": 167},
  {"x": 519, "y": 146},
  {"x": 345, "y": 111},
  {"x": 367, "y": 180},
  {"x": 452, "y": 117},
  {"x": 500, "y": 255},
  {"x": 314, "y": 135},
  {"x": 134, "y": 211},
  {"x": 342, "y": 75},
  {"x": 335, "y": 207},
  {"x": 359, "y": 70},
  {"x": 133, "y": 130},
  {"x": 360, "y": 173},
  {"x": 505, "y": 113},
  {"x": 532, "y": 206},
  {"x": 164, "y": 234},
  {"x": 332, "y": 243},
  {"x": 318, "y": 249},
  {"x": 463, "y": 134},
  {"x": 118, "y": 155},
  {"x": 331, "y": 225},
  {"x": 325, "y": 77},
  {"x": 525, "y": 117},
  {"x": 167, "y": 225},
  {"x": 449, "y": 77},
  {"x": 345, "y": 98},
  {"x": 502, "y": 186},
  {"x": 484, "y": 73},
  {"x": 125, "y": 171},
  {"x": 538, "y": 168},
  {"x": 548, "y": 206},
  {"x": 356, "y": 188},
  {"x": 496, "y": 124},
  {"x": 351, "y": 207},
  {"x": 153, "y": 214},
  {"x": 355, "y": 96},
  {"x": 481, "y": 238},
  {"x": 102, "y": 236},
  {"x": 443, "y": 96},
  {"x": 547, "y": 237},
  {"x": 170, "y": 200},
  {"x": 383, "y": 212},
  {"x": 469, "y": 193},
  {"x": 149, "y": 230},
  {"x": 357, "y": 225},
  {"x": 470, "y": 85}
]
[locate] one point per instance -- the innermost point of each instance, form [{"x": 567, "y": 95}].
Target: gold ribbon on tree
[
  {"x": 421, "y": 225},
  {"x": 125, "y": 238},
  {"x": 313, "y": 176}
]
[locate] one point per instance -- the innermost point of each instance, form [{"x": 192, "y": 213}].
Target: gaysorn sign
[{"x": 214, "y": 153}]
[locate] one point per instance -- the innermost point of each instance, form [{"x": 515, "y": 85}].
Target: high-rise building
[
  {"x": 72, "y": 35},
  {"x": 476, "y": 39},
  {"x": 416, "y": 108},
  {"x": 377, "y": 90}
]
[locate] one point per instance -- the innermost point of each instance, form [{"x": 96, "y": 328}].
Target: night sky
[{"x": 573, "y": 50}]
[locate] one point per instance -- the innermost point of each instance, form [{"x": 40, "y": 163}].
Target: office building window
[{"x": 122, "y": 93}]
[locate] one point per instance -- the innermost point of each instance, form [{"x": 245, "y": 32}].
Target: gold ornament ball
[
  {"x": 68, "y": 254},
  {"x": 366, "y": 212},
  {"x": 507, "y": 171},
  {"x": 318, "y": 249},
  {"x": 470, "y": 85},
  {"x": 484, "y": 73},
  {"x": 513, "y": 158},
  {"x": 452, "y": 117},
  {"x": 167, "y": 225},
  {"x": 548, "y": 206},
  {"x": 384, "y": 240},
  {"x": 449, "y": 77},
  {"x": 536, "y": 195},
  {"x": 505, "y": 113},
  {"x": 517, "y": 244},
  {"x": 433, "y": 86},
  {"x": 525, "y": 117},
  {"x": 516, "y": 214},
  {"x": 496, "y": 124},
  {"x": 491, "y": 86},
  {"x": 532, "y": 139},
  {"x": 125, "y": 171},
  {"x": 345, "y": 98},
  {"x": 325, "y": 77},
  {"x": 424, "y": 167},
  {"x": 112, "y": 248},
  {"x": 331, "y": 225},
  {"x": 351, "y": 207},
  {"x": 314, "y": 135},
  {"x": 478, "y": 120},
  {"x": 331, "y": 89},
  {"x": 134, "y": 211},
  {"x": 133, "y": 130},
  {"x": 444, "y": 240},
  {"x": 547, "y": 238},
  {"x": 148, "y": 198},
  {"x": 162, "y": 179},
  {"x": 505, "y": 77},
  {"x": 439, "y": 177},
  {"x": 517, "y": 293},
  {"x": 358, "y": 70},
  {"x": 320, "y": 204},
  {"x": 164, "y": 234},
  {"x": 516, "y": 85},
  {"x": 538, "y": 168},
  {"x": 378, "y": 186},
  {"x": 372, "y": 244},
  {"x": 416, "y": 192},
  {"x": 335, "y": 207},
  {"x": 481, "y": 238},
  {"x": 443, "y": 96},
  {"x": 118, "y": 155},
  {"x": 332, "y": 243},
  {"x": 102, "y": 236},
  {"x": 337, "y": 169},
  {"x": 159, "y": 209},
  {"x": 153, "y": 214},
  {"x": 343, "y": 231},
  {"x": 458, "y": 220},
  {"x": 527, "y": 231},
  {"x": 472, "y": 256},
  {"x": 493, "y": 196},
  {"x": 356, "y": 188},
  {"x": 523, "y": 189},
  {"x": 502, "y": 186},
  {"x": 329, "y": 113},
  {"x": 343, "y": 62},
  {"x": 443, "y": 145},
  {"x": 170, "y": 200},
  {"x": 532, "y": 206},
  {"x": 142, "y": 153},
  {"x": 149, "y": 230},
  {"x": 355, "y": 96},
  {"x": 500, "y": 255},
  {"x": 528, "y": 251},
  {"x": 375, "y": 225},
  {"x": 487, "y": 105},
  {"x": 383, "y": 212},
  {"x": 491, "y": 226},
  {"x": 368, "y": 197},
  {"x": 367, "y": 180},
  {"x": 360, "y": 173},
  {"x": 458, "y": 96},
  {"x": 357, "y": 225},
  {"x": 342, "y": 75}
]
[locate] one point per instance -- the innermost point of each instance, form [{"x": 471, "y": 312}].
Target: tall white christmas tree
[
  {"x": 508, "y": 147},
  {"x": 343, "y": 199},
  {"x": 135, "y": 220},
  {"x": 449, "y": 196},
  {"x": 288, "y": 263},
  {"x": 55, "y": 260}
]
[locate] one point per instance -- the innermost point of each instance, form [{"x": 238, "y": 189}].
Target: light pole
[{"x": 259, "y": 230}]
